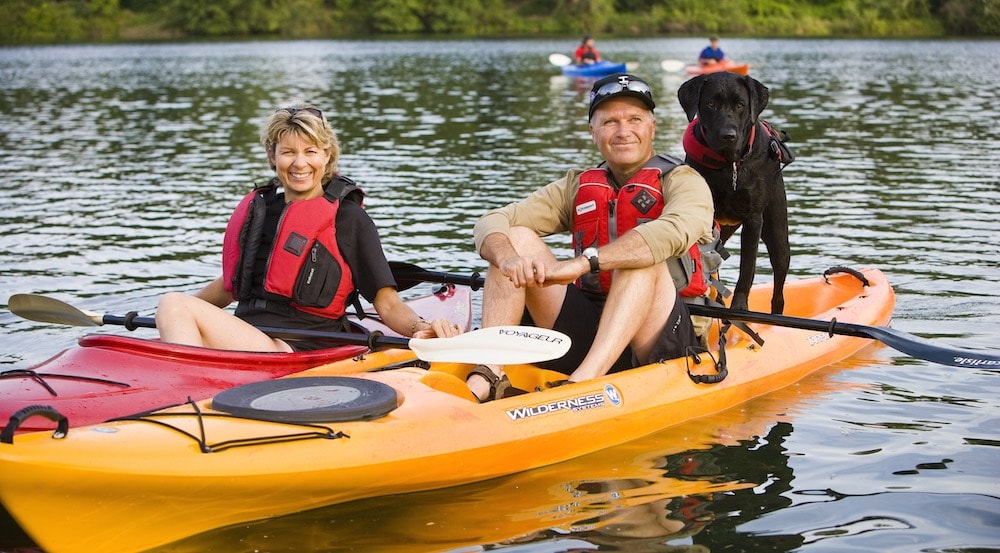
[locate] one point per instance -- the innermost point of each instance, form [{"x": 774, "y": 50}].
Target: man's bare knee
[{"x": 525, "y": 240}]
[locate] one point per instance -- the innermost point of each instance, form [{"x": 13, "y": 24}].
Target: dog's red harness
[
  {"x": 699, "y": 152},
  {"x": 696, "y": 148}
]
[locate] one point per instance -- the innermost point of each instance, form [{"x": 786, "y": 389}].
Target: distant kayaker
[
  {"x": 712, "y": 54},
  {"x": 296, "y": 254},
  {"x": 618, "y": 323},
  {"x": 586, "y": 53}
]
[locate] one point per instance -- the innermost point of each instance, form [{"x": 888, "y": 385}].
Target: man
[
  {"x": 626, "y": 304},
  {"x": 712, "y": 54}
]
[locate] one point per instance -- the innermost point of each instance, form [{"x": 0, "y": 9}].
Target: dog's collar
[{"x": 698, "y": 151}]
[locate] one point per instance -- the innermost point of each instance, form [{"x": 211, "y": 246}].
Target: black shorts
[{"x": 579, "y": 316}]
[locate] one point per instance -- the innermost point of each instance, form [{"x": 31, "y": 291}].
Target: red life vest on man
[
  {"x": 601, "y": 214},
  {"x": 305, "y": 269}
]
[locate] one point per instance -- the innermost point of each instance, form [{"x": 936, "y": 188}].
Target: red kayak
[
  {"x": 110, "y": 376},
  {"x": 724, "y": 65}
]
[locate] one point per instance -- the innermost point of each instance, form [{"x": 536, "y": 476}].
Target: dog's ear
[
  {"x": 689, "y": 95},
  {"x": 759, "y": 96}
]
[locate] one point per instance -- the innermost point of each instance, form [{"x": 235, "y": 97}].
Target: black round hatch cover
[{"x": 308, "y": 399}]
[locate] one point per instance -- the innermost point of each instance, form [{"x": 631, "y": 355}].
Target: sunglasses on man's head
[
  {"x": 611, "y": 89},
  {"x": 293, "y": 111}
]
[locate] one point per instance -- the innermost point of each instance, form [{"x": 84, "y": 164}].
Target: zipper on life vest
[
  {"x": 314, "y": 257},
  {"x": 612, "y": 220}
]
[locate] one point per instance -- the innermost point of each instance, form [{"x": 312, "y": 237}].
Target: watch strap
[{"x": 595, "y": 265}]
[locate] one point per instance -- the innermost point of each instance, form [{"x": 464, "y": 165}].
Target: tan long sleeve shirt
[{"x": 686, "y": 218}]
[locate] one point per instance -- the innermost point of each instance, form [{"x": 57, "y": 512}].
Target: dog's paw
[{"x": 739, "y": 303}]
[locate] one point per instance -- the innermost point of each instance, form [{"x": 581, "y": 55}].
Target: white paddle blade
[
  {"x": 50, "y": 310},
  {"x": 672, "y": 66},
  {"x": 560, "y": 60},
  {"x": 495, "y": 345}
]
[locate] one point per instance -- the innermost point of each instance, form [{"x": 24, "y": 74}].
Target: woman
[
  {"x": 296, "y": 254},
  {"x": 586, "y": 53}
]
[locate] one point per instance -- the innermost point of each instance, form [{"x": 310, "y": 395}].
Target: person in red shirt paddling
[{"x": 585, "y": 53}]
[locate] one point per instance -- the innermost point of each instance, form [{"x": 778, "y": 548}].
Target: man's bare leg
[
  {"x": 638, "y": 305},
  {"x": 504, "y": 303}
]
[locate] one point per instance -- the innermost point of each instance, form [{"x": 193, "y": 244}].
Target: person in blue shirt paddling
[{"x": 712, "y": 54}]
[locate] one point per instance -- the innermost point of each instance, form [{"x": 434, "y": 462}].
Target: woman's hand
[{"x": 438, "y": 328}]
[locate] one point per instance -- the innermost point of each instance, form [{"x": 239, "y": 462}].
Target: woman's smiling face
[{"x": 299, "y": 165}]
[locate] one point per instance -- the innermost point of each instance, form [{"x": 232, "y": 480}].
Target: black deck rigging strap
[
  {"x": 722, "y": 371},
  {"x": 721, "y": 363},
  {"x": 40, "y": 379},
  {"x": 313, "y": 431}
]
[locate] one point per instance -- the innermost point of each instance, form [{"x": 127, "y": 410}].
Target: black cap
[{"x": 622, "y": 84}]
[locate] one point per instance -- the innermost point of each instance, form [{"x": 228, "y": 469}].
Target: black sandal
[
  {"x": 500, "y": 386},
  {"x": 491, "y": 378}
]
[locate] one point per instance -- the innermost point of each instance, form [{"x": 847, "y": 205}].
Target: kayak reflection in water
[{"x": 297, "y": 253}]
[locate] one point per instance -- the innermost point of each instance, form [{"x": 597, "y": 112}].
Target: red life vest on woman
[
  {"x": 304, "y": 268},
  {"x": 601, "y": 214}
]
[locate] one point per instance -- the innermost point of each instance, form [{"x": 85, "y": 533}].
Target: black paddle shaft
[
  {"x": 373, "y": 341},
  {"x": 408, "y": 275},
  {"x": 906, "y": 343},
  {"x": 898, "y": 340}
]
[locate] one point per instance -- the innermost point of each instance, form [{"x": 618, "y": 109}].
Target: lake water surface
[{"x": 120, "y": 165}]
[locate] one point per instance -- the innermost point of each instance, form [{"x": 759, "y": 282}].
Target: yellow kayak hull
[{"x": 135, "y": 484}]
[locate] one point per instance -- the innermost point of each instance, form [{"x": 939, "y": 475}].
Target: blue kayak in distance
[{"x": 600, "y": 69}]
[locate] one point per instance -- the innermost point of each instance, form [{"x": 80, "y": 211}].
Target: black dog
[{"x": 741, "y": 158}]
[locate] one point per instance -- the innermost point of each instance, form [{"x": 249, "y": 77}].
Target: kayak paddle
[
  {"x": 501, "y": 345},
  {"x": 672, "y": 66},
  {"x": 560, "y": 60},
  {"x": 408, "y": 275},
  {"x": 896, "y": 339}
]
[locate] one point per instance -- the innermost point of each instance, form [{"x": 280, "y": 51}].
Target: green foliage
[
  {"x": 232, "y": 17},
  {"x": 970, "y": 17},
  {"x": 40, "y": 21},
  {"x": 396, "y": 16}
]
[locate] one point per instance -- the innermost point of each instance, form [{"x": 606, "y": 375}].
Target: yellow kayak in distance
[{"x": 131, "y": 485}]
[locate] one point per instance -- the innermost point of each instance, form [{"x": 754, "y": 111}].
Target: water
[{"x": 121, "y": 164}]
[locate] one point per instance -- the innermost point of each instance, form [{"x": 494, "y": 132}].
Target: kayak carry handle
[{"x": 47, "y": 411}]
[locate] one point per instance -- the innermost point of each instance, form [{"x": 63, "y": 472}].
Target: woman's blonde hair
[{"x": 308, "y": 123}]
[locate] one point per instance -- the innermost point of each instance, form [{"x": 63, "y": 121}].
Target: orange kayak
[
  {"x": 131, "y": 485},
  {"x": 724, "y": 65}
]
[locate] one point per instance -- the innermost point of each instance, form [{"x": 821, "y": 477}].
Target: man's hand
[
  {"x": 528, "y": 272},
  {"x": 523, "y": 272}
]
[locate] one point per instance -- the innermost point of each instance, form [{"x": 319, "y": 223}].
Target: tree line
[{"x": 64, "y": 21}]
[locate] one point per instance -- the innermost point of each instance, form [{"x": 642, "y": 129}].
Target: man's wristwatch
[{"x": 591, "y": 255}]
